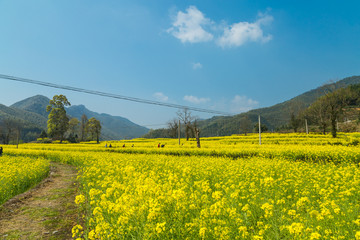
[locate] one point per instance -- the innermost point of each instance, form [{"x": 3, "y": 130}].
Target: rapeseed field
[
  {"x": 293, "y": 186},
  {"x": 20, "y": 173}
]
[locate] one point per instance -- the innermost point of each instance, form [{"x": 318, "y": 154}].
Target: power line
[{"x": 111, "y": 95}]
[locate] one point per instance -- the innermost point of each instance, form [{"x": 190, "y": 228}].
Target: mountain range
[
  {"x": 32, "y": 113},
  {"x": 274, "y": 117},
  {"x": 278, "y": 115}
]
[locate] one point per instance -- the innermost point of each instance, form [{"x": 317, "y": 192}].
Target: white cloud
[
  {"x": 240, "y": 33},
  {"x": 196, "y": 100},
  {"x": 242, "y": 104},
  {"x": 161, "y": 97},
  {"x": 188, "y": 26},
  {"x": 197, "y": 65}
]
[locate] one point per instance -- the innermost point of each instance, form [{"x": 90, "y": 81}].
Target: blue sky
[{"x": 230, "y": 56}]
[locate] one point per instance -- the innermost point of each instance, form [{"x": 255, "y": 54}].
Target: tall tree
[
  {"x": 336, "y": 101},
  {"x": 58, "y": 122},
  {"x": 197, "y": 134},
  {"x": 94, "y": 128},
  {"x": 186, "y": 118},
  {"x": 83, "y": 124}
]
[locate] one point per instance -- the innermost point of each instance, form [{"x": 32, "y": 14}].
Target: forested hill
[
  {"x": 30, "y": 123},
  {"x": 36, "y": 104},
  {"x": 273, "y": 117},
  {"x": 33, "y": 111}
]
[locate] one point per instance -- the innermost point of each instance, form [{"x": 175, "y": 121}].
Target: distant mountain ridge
[
  {"x": 273, "y": 117},
  {"x": 36, "y": 104},
  {"x": 32, "y": 113},
  {"x": 113, "y": 127}
]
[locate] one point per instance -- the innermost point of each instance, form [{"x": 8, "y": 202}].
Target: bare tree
[
  {"x": 185, "y": 116},
  {"x": 327, "y": 109},
  {"x": 12, "y": 130},
  {"x": 197, "y": 134},
  {"x": 335, "y": 102},
  {"x": 173, "y": 126},
  {"x": 317, "y": 113}
]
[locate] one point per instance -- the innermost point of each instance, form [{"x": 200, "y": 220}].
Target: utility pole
[
  {"x": 179, "y": 131},
  {"x": 259, "y": 131},
  {"x": 306, "y": 126}
]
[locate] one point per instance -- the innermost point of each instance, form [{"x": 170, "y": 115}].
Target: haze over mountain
[{"x": 113, "y": 127}]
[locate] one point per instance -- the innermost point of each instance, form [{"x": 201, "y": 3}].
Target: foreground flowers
[
  {"x": 19, "y": 174},
  {"x": 167, "y": 197},
  {"x": 294, "y": 187}
]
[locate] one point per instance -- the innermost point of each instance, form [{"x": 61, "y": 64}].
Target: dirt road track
[{"x": 47, "y": 211}]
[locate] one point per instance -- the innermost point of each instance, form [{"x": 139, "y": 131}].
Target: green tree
[
  {"x": 93, "y": 126},
  {"x": 84, "y": 121},
  {"x": 73, "y": 129},
  {"x": 58, "y": 122},
  {"x": 264, "y": 128},
  {"x": 43, "y": 134}
]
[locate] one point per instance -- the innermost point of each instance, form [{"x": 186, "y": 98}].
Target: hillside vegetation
[
  {"x": 32, "y": 116},
  {"x": 276, "y": 118}
]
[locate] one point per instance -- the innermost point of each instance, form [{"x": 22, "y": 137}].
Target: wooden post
[
  {"x": 197, "y": 135},
  {"x": 179, "y": 131},
  {"x": 306, "y": 126},
  {"x": 259, "y": 131}
]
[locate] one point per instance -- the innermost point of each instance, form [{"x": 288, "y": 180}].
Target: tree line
[
  {"x": 60, "y": 127},
  {"x": 334, "y": 108}
]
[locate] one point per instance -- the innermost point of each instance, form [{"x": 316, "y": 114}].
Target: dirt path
[{"x": 47, "y": 211}]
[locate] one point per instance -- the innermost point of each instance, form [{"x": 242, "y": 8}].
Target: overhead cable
[{"x": 111, "y": 95}]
